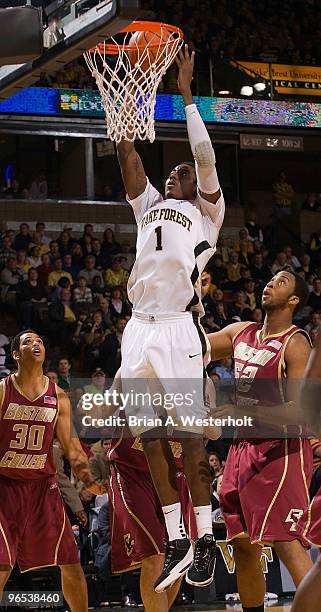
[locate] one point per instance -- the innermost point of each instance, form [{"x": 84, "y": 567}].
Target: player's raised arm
[
  {"x": 71, "y": 446},
  {"x": 203, "y": 152},
  {"x": 132, "y": 169}
]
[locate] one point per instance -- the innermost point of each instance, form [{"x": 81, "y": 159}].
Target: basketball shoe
[
  {"x": 201, "y": 572},
  {"x": 178, "y": 558}
]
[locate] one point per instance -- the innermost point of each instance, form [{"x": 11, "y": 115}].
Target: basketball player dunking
[
  {"x": 34, "y": 529},
  {"x": 266, "y": 477},
  {"x": 308, "y": 595},
  {"x": 163, "y": 340}
]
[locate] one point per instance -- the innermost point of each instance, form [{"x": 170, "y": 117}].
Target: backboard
[{"x": 70, "y": 28}]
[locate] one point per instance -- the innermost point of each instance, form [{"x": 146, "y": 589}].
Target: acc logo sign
[
  {"x": 293, "y": 517},
  {"x": 228, "y": 558}
]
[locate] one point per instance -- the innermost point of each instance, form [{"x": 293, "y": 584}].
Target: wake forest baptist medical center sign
[{"x": 298, "y": 80}]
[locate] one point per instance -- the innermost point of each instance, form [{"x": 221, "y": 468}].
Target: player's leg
[
  {"x": 179, "y": 550},
  {"x": 249, "y": 574},
  {"x": 155, "y": 602},
  {"x": 308, "y": 595},
  {"x": 74, "y": 587},
  {"x": 5, "y": 571},
  {"x": 196, "y": 468},
  {"x": 295, "y": 558}
]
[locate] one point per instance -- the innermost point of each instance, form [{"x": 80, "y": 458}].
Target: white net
[{"x": 128, "y": 91}]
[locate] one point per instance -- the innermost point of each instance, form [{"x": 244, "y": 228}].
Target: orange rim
[{"x": 139, "y": 26}]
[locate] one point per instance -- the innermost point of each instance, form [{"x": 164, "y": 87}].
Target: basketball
[{"x": 152, "y": 40}]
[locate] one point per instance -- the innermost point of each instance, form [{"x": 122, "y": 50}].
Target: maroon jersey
[
  {"x": 26, "y": 432},
  {"x": 260, "y": 370},
  {"x": 127, "y": 450}
]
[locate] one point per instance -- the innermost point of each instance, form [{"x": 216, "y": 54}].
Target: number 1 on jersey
[{"x": 158, "y": 231}]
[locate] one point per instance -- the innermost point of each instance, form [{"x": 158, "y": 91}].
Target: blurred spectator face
[
  {"x": 214, "y": 462},
  {"x": 58, "y": 264},
  {"x": 97, "y": 317},
  {"x": 120, "y": 325},
  {"x": 97, "y": 282},
  {"x": 106, "y": 444},
  {"x": 313, "y": 333},
  {"x": 281, "y": 258},
  {"x": 257, "y": 316},
  {"x": 218, "y": 295},
  {"x": 76, "y": 249},
  {"x": 316, "y": 285},
  {"x": 243, "y": 234},
  {"x": 82, "y": 283},
  {"x": 24, "y": 229},
  {"x": 117, "y": 264},
  {"x": 12, "y": 264},
  {"x": 240, "y": 297},
  {"x": 258, "y": 260},
  {"x": 6, "y": 243},
  {"x": 64, "y": 238},
  {"x": 99, "y": 378},
  {"x": 53, "y": 376},
  {"x": 88, "y": 229},
  {"x": 82, "y": 316},
  {"x": 10, "y": 234},
  {"x": 234, "y": 257},
  {"x": 116, "y": 294},
  {"x": 257, "y": 246},
  {"x": 305, "y": 260},
  {"x": 32, "y": 274},
  {"x": 103, "y": 304},
  {"x": 220, "y": 308},
  {"x": 108, "y": 235},
  {"x": 54, "y": 247},
  {"x": 125, "y": 247},
  {"x": 64, "y": 366},
  {"x": 35, "y": 252},
  {"x": 95, "y": 245},
  {"x": 65, "y": 295},
  {"x": 21, "y": 256},
  {"x": 45, "y": 259},
  {"x": 67, "y": 260},
  {"x": 218, "y": 261},
  {"x": 315, "y": 319},
  {"x": 90, "y": 263},
  {"x": 250, "y": 285},
  {"x": 288, "y": 252},
  {"x": 40, "y": 228}
]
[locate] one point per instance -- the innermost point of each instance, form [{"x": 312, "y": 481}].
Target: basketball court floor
[{"x": 219, "y": 607}]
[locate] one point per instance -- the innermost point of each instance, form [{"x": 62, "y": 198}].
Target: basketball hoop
[{"x": 128, "y": 75}]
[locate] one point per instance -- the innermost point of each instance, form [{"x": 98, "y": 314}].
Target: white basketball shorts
[{"x": 162, "y": 372}]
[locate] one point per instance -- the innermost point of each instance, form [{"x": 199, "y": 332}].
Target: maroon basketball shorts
[
  {"x": 34, "y": 529},
  {"x": 136, "y": 517},
  {"x": 309, "y": 525},
  {"x": 265, "y": 489}
]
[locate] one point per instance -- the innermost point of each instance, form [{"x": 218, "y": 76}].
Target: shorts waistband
[{"x": 161, "y": 318}]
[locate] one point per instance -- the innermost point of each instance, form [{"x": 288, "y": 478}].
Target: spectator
[
  {"x": 253, "y": 229},
  {"x": 53, "y": 376},
  {"x": 68, "y": 266},
  {"x": 221, "y": 315},
  {"x": 218, "y": 271},
  {"x": 13, "y": 191},
  {"x": 314, "y": 300},
  {"x": 79, "y": 330},
  {"x": 280, "y": 263},
  {"x": 89, "y": 271},
  {"x": 98, "y": 288},
  {"x": 250, "y": 294},
  {"x": 224, "y": 369},
  {"x": 22, "y": 264},
  {"x": 103, "y": 305},
  {"x": 233, "y": 269},
  {"x": 241, "y": 307},
  {"x": 306, "y": 265},
  {"x": 315, "y": 249},
  {"x": 39, "y": 187},
  {"x": 86, "y": 238},
  {"x": 41, "y": 229},
  {"x": 257, "y": 316},
  {"x": 315, "y": 322},
  {"x": 260, "y": 271},
  {"x": 82, "y": 293},
  {"x": 6, "y": 251},
  {"x": 110, "y": 348},
  {"x": 64, "y": 243},
  {"x": 44, "y": 269},
  {"x": 116, "y": 275},
  {"x": 53, "y": 250},
  {"x": 127, "y": 254},
  {"x": 33, "y": 294},
  {"x": 58, "y": 273},
  {"x": 99, "y": 464},
  {"x": 37, "y": 241},
  {"x": 23, "y": 238},
  {"x": 11, "y": 280},
  {"x": 291, "y": 259},
  {"x": 64, "y": 379},
  {"x": 118, "y": 306},
  {"x": 34, "y": 259},
  {"x": 77, "y": 255},
  {"x": 109, "y": 245},
  {"x": 94, "y": 339},
  {"x": 311, "y": 202},
  {"x": 101, "y": 262},
  {"x": 283, "y": 195}
]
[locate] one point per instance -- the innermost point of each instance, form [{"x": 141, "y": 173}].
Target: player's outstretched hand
[{"x": 185, "y": 62}]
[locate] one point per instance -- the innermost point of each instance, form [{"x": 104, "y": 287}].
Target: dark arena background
[{"x": 67, "y": 234}]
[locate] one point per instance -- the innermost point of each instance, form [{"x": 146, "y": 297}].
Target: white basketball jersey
[{"x": 175, "y": 240}]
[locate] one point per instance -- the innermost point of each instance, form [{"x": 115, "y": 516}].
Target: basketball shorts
[
  {"x": 309, "y": 525},
  {"x": 265, "y": 489},
  {"x": 34, "y": 529},
  {"x": 162, "y": 371},
  {"x": 136, "y": 516}
]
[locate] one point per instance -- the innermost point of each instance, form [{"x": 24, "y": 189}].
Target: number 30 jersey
[
  {"x": 175, "y": 240},
  {"x": 26, "y": 432}
]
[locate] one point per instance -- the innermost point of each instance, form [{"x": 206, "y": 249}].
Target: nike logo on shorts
[{"x": 191, "y": 356}]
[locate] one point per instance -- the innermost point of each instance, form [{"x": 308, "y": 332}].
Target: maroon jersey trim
[
  {"x": 245, "y": 326},
  {"x": 7, "y": 544},
  {"x": 23, "y": 394},
  {"x": 3, "y": 388}
]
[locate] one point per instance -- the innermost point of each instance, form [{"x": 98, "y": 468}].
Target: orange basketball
[{"x": 150, "y": 40}]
